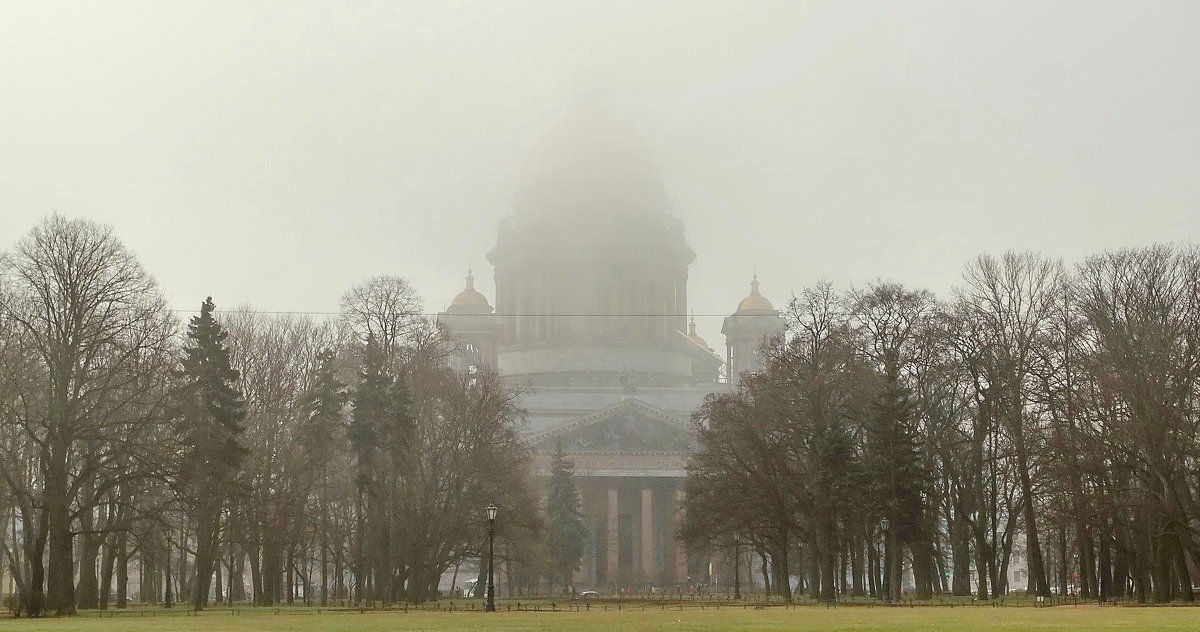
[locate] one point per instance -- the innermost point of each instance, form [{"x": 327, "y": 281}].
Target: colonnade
[{"x": 632, "y": 523}]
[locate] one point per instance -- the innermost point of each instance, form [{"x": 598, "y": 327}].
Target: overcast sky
[{"x": 276, "y": 153}]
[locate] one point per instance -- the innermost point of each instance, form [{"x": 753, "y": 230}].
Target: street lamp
[{"x": 491, "y": 511}]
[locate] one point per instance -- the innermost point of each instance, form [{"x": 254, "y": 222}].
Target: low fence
[{"x": 622, "y": 604}]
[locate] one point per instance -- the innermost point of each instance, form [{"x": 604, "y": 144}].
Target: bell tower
[
  {"x": 472, "y": 326},
  {"x": 755, "y": 320}
]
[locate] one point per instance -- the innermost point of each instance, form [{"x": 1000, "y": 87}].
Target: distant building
[{"x": 591, "y": 275}]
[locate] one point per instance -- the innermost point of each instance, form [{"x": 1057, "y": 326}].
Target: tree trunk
[
  {"x": 1037, "y": 568},
  {"x": 1181, "y": 571},
  {"x": 825, "y": 562},
  {"x": 217, "y": 594},
  {"x": 1140, "y": 561},
  {"x": 982, "y": 575},
  {"x": 1064, "y": 568},
  {"x": 122, "y": 557},
  {"x": 257, "y": 578},
  {"x": 893, "y": 563},
  {"x": 207, "y": 532},
  {"x": 339, "y": 577},
  {"x": 324, "y": 563},
  {"x": 87, "y": 595},
  {"x": 237, "y": 576},
  {"x": 856, "y": 569},
  {"x": 1164, "y": 551},
  {"x": 107, "y": 564},
  {"x": 60, "y": 572},
  {"x": 960, "y": 554},
  {"x": 812, "y": 564},
  {"x": 874, "y": 581},
  {"x": 291, "y": 579},
  {"x": 923, "y": 567},
  {"x": 766, "y": 575},
  {"x": 1087, "y": 560},
  {"x": 34, "y": 601},
  {"x": 827, "y": 557},
  {"x": 779, "y": 562},
  {"x": 1105, "y": 568},
  {"x": 167, "y": 576}
]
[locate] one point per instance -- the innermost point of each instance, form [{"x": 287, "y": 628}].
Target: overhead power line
[{"x": 304, "y": 313}]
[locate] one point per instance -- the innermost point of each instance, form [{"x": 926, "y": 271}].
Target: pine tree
[
  {"x": 323, "y": 405},
  {"x": 566, "y": 531},
  {"x": 380, "y": 434},
  {"x": 898, "y": 476},
  {"x": 212, "y": 410}
]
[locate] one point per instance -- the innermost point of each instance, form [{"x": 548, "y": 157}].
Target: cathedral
[{"x": 590, "y": 319}]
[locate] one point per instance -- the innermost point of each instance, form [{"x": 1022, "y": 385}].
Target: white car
[{"x": 589, "y": 594}]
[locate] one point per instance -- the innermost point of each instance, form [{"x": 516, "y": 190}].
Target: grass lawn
[{"x": 974, "y": 619}]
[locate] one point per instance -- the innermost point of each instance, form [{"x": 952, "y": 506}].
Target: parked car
[
  {"x": 468, "y": 589},
  {"x": 589, "y": 594}
]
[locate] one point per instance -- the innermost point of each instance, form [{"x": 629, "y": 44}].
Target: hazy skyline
[{"x": 274, "y": 154}]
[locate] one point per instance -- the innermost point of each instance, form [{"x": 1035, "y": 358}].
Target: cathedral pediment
[{"x": 630, "y": 425}]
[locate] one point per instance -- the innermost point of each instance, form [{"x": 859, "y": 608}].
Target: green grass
[{"x": 970, "y": 619}]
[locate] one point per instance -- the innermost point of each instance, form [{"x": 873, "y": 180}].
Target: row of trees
[
  {"x": 1043, "y": 412},
  {"x": 332, "y": 460}
]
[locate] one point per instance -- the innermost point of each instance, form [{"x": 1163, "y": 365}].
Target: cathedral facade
[{"x": 590, "y": 320}]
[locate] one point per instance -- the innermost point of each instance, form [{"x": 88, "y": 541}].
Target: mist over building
[{"x": 591, "y": 316}]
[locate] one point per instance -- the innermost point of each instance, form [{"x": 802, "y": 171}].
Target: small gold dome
[
  {"x": 470, "y": 297},
  {"x": 695, "y": 337},
  {"x": 755, "y": 302}
]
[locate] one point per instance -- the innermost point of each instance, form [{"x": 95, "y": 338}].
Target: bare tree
[
  {"x": 82, "y": 301},
  {"x": 1143, "y": 311},
  {"x": 275, "y": 356},
  {"x": 385, "y": 308},
  {"x": 1016, "y": 298},
  {"x": 891, "y": 324}
]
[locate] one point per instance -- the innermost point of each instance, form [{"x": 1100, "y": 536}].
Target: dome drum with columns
[
  {"x": 591, "y": 276},
  {"x": 587, "y": 306}
]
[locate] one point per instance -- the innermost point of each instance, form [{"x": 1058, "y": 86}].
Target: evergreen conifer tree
[
  {"x": 896, "y": 472},
  {"x": 380, "y": 433},
  {"x": 212, "y": 410},
  {"x": 322, "y": 404},
  {"x": 566, "y": 531}
]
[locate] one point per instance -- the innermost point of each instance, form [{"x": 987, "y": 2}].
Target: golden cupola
[
  {"x": 755, "y": 302},
  {"x": 754, "y": 322},
  {"x": 470, "y": 301}
]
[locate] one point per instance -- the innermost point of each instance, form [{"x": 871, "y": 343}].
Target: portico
[{"x": 630, "y": 482}]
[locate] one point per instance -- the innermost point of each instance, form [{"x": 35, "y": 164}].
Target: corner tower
[
  {"x": 755, "y": 320},
  {"x": 473, "y": 326}
]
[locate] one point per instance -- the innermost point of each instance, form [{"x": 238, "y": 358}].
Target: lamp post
[{"x": 490, "y": 605}]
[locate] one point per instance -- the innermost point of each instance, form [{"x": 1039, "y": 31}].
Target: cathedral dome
[
  {"x": 590, "y": 161},
  {"x": 470, "y": 299},
  {"x": 755, "y": 302}
]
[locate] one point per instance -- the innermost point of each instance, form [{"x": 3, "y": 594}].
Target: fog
[{"x": 277, "y": 153}]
